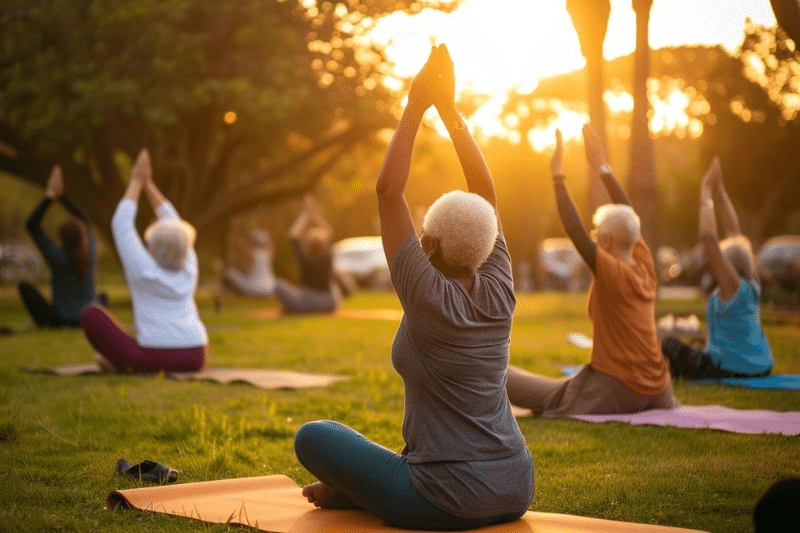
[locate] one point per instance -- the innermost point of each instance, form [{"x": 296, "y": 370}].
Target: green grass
[{"x": 60, "y": 437}]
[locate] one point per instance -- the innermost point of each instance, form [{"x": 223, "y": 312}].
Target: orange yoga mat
[{"x": 275, "y": 504}]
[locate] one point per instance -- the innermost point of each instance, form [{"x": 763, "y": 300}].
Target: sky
[{"x": 498, "y": 45}]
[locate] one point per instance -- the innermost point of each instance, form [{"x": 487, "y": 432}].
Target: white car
[
  {"x": 362, "y": 261},
  {"x": 562, "y": 267}
]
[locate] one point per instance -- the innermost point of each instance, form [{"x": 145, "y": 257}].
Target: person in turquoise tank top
[{"x": 736, "y": 344}]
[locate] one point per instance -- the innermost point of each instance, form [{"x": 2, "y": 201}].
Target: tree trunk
[
  {"x": 590, "y": 19},
  {"x": 642, "y": 184}
]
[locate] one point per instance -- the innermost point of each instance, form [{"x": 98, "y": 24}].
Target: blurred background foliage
[{"x": 246, "y": 104}]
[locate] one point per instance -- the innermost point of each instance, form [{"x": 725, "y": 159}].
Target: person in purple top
[
  {"x": 71, "y": 261},
  {"x": 465, "y": 463}
]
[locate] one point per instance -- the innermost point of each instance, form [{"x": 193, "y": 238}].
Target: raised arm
[
  {"x": 53, "y": 191},
  {"x": 724, "y": 207},
  {"x": 304, "y": 218},
  {"x": 570, "y": 218},
  {"x": 721, "y": 268},
  {"x": 395, "y": 216},
  {"x": 479, "y": 178},
  {"x": 596, "y": 155},
  {"x": 139, "y": 175}
]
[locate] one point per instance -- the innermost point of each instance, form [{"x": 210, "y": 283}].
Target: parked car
[
  {"x": 668, "y": 264},
  {"x": 562, "y": 267},
  {"x": 360, "y": 262},
  {"x": 779, "y": 262}
]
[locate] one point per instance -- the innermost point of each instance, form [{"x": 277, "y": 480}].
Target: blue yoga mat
[{"x": 774, "y": 381}]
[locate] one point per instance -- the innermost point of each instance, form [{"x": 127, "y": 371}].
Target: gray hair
[
  {"x": 169, "y": 241},
  {"x": 465, "y": 225},
  {"x": 740, "y": 254},
  {"x": 620, "y": 222}
]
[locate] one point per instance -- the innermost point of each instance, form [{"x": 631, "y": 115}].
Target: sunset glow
[{"x": 503, "y": 45}]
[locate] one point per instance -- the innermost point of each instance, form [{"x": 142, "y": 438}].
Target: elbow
[{"x": 385, "y": 190}]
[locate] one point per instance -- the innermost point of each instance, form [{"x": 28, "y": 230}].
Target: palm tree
[
  {"x": 642, "y": 181},
  {"x": 590, "y": 19}
]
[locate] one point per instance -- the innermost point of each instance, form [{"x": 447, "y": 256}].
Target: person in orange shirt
[{"x": 627, "y": 372}]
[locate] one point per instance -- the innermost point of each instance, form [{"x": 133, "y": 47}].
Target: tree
[
  {"x": 642, "y": 175},
  {"x": 241, "y": 102},
  {"x": 590, "y": 19}
]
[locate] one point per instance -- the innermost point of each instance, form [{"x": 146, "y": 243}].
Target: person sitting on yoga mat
[
  {"x": 258, "y": 280},
  {"x": 162, "y": 278},
  {"x": 736, "y": 345},
  {"x": 465, "y": 463},
  {"x": 310, "y": 237},
  {"x": 71, "y": 262},
  {"x": 626, "y": 372}
]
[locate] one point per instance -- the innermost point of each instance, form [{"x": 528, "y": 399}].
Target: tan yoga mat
[
  {"x": 275, "y": 504},
  {"x": 258, "y": 377}
]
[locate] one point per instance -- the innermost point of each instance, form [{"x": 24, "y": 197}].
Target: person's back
[
  {"x": 71, "y": 263},
  {"x": 622, "y": 309},
  {"x": 162, "y": 277},
  {"x": 736, "y": 344},
  {"x": 626, "y": 372}
]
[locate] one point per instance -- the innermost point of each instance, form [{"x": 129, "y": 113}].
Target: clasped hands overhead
[{"x": 435, "y": 82}]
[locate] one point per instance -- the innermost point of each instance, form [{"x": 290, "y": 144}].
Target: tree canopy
[{"x": 240, "y": 102}]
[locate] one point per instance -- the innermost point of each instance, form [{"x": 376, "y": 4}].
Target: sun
[{"x": 503, "y": 45}]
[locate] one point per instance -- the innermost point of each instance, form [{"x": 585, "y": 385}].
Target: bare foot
[
  {"x": 326, "y": 497},
  {"x": 104, "y": 364}
]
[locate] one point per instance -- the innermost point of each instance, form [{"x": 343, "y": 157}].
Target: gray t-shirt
[{"x": 465, "y": 451}]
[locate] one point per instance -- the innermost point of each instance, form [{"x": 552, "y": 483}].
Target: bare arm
[
  {"x": 154, "y": 195},
  {"x": 570, "y": 218},
  {"x": 396, "y": 221},
  {"x": 724, "y": 273},
  {"x": 303, "y": 219},
  {"x": 479, "y": 178},
  {"x": 596, "y": 155},
  {"x": 139, "y": 172},
  {"x": 727, "y": 214}
]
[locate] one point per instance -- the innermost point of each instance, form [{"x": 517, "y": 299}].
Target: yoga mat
[
  {"x": 262, "y": 378},
  {"x": 749, "y": 421},
  {"x": 773, "y": 381},
  {"x": 275, "y": 504}
]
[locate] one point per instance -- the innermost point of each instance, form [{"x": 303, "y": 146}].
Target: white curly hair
[
  {"x": 739, "y": 252},
  {"x": 168, "y": 241},
  {"x": 465, "y": 225},
  {"x": 620, "y": 222}
]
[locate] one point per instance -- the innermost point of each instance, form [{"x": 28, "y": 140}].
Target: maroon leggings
[{"x": 108, "y": 337}]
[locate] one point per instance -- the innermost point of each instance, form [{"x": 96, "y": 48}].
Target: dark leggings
[
  {"x": 686, "y": 361},
  {"x": 109, "y": 338},
  {"x": 43, "y": 313},
  {"x": 376, "y": 479}
]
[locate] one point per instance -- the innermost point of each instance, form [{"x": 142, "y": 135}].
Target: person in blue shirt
[
  {"x": 736, "y": 345},
  {"x": 71, "y": 261}
]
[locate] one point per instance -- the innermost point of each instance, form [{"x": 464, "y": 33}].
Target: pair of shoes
[{"x": 147, "y": 471}]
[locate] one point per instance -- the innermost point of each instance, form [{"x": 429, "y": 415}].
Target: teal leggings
[{"x": 375, "y": 478}]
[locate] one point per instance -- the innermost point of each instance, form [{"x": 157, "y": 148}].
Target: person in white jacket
[{"x": 162, "y": 277}]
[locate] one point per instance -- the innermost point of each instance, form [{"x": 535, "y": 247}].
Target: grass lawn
[{"x": 60, "y": 437}]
